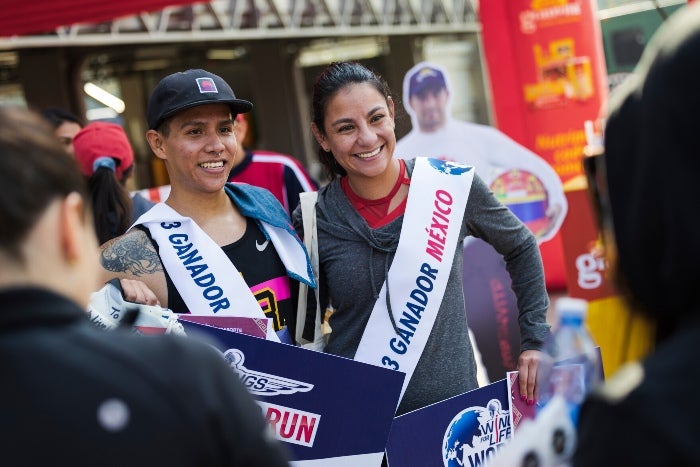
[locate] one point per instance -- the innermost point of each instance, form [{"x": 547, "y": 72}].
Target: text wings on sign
[{"x": 263, "y": 384}]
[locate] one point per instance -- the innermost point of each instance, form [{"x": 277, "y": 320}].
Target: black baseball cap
[{"x": 187, "y": 89}]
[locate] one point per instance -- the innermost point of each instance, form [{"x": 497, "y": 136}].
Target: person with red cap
[{"x": 105, "y": 156}]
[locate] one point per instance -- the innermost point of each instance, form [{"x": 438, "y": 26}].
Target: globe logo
[
  {"x": 448, "y": 167},
  {"x": 475, "y": 434}
]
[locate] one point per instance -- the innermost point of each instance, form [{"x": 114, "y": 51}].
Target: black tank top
[{"x": 262, "y": 269}]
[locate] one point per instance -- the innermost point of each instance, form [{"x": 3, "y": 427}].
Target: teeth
[
  {"x": 369, "y": 154},
  {"x": 212, "y": 165}
]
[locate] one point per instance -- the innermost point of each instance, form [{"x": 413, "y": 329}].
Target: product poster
[
  {"x": 465, "y": 430},
  {"x": 546, "y": 69},
  {"x": 623, "y": 335},
  {"x": 326, "y": 410},
  {"x": 553, "y": 79}
]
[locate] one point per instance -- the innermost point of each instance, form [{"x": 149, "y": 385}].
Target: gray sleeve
[{"x": 491, "y": 221}]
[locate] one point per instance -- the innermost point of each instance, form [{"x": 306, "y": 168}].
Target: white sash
[
  {"x": 206, "y": 278},
  {"x": 421, "y": 267}
]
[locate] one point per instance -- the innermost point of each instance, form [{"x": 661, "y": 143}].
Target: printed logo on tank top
[{"x": 263, "y": 271}]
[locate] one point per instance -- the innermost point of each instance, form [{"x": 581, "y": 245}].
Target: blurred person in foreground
[
  {"x": 212, "y": 248},
  {"x": 282, "y": 175},
  {"x": 105, "y": 157},
  {"x": 65, "y": 126},
  {"x": 76, "y": 395},
  {"x": 648, "y": 216}
]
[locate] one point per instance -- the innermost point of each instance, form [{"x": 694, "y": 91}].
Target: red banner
[
  {"x": 547, "y": 74},
  {"x": 586, "y": 268},
  {"x": 38, "y": 16}
]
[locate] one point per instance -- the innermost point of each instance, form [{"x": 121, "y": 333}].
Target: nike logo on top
[{"x": 263, "y": 246}]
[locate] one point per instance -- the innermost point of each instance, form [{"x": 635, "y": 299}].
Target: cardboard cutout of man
[{"x": 519, "y": 178}]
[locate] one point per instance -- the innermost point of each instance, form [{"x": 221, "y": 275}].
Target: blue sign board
[
  {"x": 465, "y": 430},
  {"x": 320, "y": 406}
]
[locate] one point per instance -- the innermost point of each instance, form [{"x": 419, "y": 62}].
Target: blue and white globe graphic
[
  {"x": 463, "y": 433},
  {"x": 475, "y": 434},
  {"x": 449, "y": 168}
]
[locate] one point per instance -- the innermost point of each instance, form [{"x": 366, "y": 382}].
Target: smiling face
[
  {"x": 199, "y": 148},
  {"x": 359, "y": 131}
]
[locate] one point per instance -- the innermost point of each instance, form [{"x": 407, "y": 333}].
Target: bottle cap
[{"x": 571, "y": 307}]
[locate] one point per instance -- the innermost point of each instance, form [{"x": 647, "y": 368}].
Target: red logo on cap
[{"x": 206, "y": 85}]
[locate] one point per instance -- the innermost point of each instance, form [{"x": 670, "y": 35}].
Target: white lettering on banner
[
  {"x": 206, "y": 278},
  {"x": 437, "y": 232},
  {"x": 407, "y": 324},
  {"x": 185, "y": 251},
  {"x": 529, "y": 19},
  {"x": 291, "y": 425},
  {"x": 590, "y": 270}
]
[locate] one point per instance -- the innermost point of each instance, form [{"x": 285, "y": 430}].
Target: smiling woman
[
  {"x": 198, "y": 147},
  {"x": 358, "y": 130},
  {"x": 388, "y": 233}
]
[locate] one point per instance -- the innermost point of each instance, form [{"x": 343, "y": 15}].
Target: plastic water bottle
[
  {"x": 570, "y": 368},
  {"x": 572, "y": 365}
]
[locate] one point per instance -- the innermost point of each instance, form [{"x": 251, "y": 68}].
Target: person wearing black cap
[{"x": 211, "y": 247}]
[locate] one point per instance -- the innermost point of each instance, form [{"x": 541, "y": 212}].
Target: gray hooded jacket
[{"x": 354, "y": 260}]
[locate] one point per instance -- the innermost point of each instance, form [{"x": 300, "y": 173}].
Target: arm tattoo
[{"x": 134, "y": 254}]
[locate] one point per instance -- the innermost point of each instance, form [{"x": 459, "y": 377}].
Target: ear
[
  {"x": 390, "y": 104},
  {"x": 156, "y": 142},
  {"x": 240, "y": 128},
  {"x": 242, "y": 123},
  {"x": 320, "y": 137},
  {"x": 72, "y": 227}
]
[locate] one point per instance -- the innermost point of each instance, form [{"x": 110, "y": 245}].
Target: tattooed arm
[{"x": 132, "y": 257}]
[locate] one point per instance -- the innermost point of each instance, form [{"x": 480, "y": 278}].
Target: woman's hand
[{"x": 528, "y": 363}]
